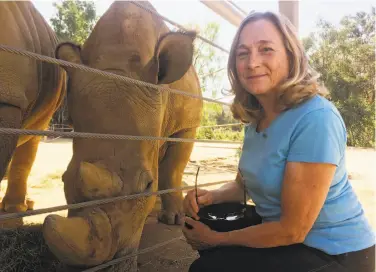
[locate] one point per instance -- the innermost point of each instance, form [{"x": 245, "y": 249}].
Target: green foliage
[
  {"x": 209, "y": 62},
  {"x": 215, "y": 114},
  {"x": 210, "y": 114},
  {"x": 220, "y": 133},
  {"x": 345, "y": 58},
  {"x": 74, "y": 20}
]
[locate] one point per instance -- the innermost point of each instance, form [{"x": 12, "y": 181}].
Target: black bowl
[{"x": 228, "y": 216}]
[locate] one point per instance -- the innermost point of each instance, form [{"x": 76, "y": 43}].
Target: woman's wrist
[
  {"x": 216, "y": 196},
  {"x": 230, "y": 192},
  {"x": 222, "y": 238}
]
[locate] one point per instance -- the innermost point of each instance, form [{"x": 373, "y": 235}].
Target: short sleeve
[
  {"x": 319, "y": 137},
  {"x": 246, "y": 127}
]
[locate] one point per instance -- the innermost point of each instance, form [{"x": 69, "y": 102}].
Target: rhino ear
[
  {"x": 69, "y": 52},
  {"x": 173, "y": 55}
]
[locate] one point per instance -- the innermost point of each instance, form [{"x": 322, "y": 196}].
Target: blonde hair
[{"x": 301, "y": 84}]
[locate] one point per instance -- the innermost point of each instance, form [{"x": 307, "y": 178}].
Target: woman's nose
[{"x": 254, "y": 61}]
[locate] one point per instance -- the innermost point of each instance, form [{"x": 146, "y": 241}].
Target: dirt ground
[{"x": 217, "y": 162}]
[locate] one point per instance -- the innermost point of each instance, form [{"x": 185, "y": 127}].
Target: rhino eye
[
  {"x": 148, "y": 186},
  {"x": 135, "y": 58},
  {"x": 69, "y": 84}
]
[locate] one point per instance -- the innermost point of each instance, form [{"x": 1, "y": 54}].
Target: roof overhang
[{"x": 227, "y": 11}]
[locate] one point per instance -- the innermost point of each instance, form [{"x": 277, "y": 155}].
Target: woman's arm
[
  {"x": 317, "y": 146},
  {"x": 304, "y": 190},
  {"x": 230, "y": 192}
]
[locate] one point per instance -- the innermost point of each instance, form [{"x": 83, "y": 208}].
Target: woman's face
[{"x": 261, "y": 58}]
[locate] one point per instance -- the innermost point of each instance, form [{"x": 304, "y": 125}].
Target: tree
[
  {"x": 211, "y": 66},
  {"x": 345, "y": 58},
  {"x": 73, "y": 21},
  {"x": 208, "y": 60}
]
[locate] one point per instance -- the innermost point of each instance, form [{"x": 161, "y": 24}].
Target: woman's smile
[{"x": 256, "y": 77}]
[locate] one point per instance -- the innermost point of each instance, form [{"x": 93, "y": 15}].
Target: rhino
[
  {"x": 30, "y": 92},
  {"x": 131, "y": 42}
]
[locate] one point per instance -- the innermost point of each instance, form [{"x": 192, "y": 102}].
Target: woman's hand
[
  {"x": 200, "y": 236},
  {"x": 190, "y": 205}
]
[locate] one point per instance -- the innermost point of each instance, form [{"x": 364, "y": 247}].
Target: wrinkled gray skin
[
  {"x": 127, "y": 41},
  {"x": 30, "y": 93}
]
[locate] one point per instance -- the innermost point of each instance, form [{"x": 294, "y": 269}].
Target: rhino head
[{"x": 127, "y": 41}]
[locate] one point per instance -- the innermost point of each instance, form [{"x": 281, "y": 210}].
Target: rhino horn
[
  {"x": 72, "y": 241},
  {"x": 98, "y": 182}
]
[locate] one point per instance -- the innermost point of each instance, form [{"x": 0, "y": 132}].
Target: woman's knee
[
  {"x": 198, "y": 265},
  {"x": 210, "y": 261}
]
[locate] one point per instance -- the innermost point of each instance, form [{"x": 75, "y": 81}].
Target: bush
[{"x": 221, "y": 133}]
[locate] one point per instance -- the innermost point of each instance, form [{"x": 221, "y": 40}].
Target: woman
[{"x": 292, "y": 163}]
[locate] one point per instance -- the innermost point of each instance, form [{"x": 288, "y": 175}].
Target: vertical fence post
[{"x": 291, "y": 10}]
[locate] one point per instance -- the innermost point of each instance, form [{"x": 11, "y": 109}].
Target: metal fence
[{"x": 57, "y": 131}]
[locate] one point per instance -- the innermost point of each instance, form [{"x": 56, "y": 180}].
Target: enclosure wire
[
  {"x": 64, "y": 63},
  {"x": 124, "y": 258},
  {"x": 109, "y": 136},
  {"x": 17, "y": 131},
  {"x": 103, "y": 201},
  {"x": 178, "y": 26}
]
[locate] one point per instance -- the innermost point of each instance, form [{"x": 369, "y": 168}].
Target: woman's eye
[
  {"x": 242, "y": 54},
  {"x": 135, "y": 58},
  {"x": 267, "y": 49}
]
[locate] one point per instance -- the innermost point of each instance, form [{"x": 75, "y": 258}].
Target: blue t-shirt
[{"x": 312, "y": 132}]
